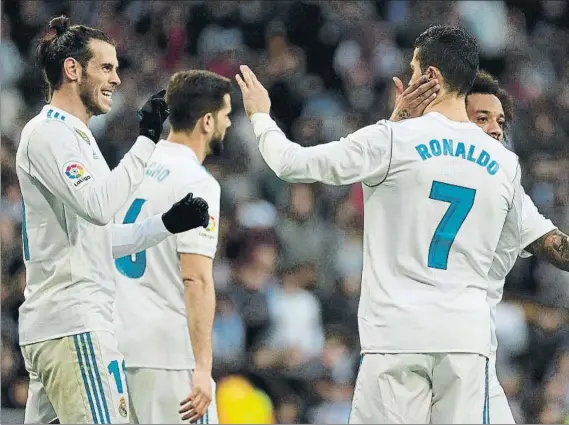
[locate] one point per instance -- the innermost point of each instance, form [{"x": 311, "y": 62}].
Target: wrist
[
  {"x": 150, "y": 134},
  {"x": 203, "y": 367},
  {"x": 166, "y": 223}
]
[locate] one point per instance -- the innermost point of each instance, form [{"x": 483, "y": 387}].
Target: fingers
[
  {"x": 248, "y": 76},
  {"x": 187, "y": 198},
  {"x": 427, "y": 99},
  {"x": 398, "y": 86},
  {"x": 194, "y": 407},
  {"x": 242, "y": 84},
  {"x": 252, "y": 74},
  {"x": 412, "y": 87},
  {"x": 159, "y": 103},
  {"x": 249, "y": 79},
  {"x": 424, "y": 92},
  {"x": 160, "y": 94}
]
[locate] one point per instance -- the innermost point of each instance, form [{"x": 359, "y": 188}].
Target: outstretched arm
[
  {"x": 131, "y": 238},
  {"x": 362, "y": 156}
]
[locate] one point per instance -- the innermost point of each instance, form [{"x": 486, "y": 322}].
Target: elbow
[
  {"x": 286, "y": 173},
  {"x": 99, "y": 219},
  {"x": 280, "y": 173},
  {"x": 192, "y": 280}
]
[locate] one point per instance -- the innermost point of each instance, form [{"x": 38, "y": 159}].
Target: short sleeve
[{"x": 201, "y": 241}]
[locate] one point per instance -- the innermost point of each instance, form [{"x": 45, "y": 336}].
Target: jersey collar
[
  {"x": 441, "y": 117},
  {"x": 52, "y": 112},
  {"x": 181, "y": 149}
]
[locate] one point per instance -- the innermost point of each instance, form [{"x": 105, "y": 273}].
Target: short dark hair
[
  {"x": 453, "y": 51},
  {"x": 485, "y": 83},
  {"x": 192, "y": 94},
  {"x": 62, "y": 41}
]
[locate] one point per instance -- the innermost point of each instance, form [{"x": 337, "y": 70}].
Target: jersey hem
[
  {"x": 145, "y": 366},
  {"x": 455, "y": 351},
  {"x": 63, "y": 335}
]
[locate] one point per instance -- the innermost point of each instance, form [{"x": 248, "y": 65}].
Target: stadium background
[{"x": 289, "y": 260}]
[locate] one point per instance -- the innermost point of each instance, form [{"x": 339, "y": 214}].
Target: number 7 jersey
[
  {"x": 436, "y": 196},
  {"x": 431, "y": 229}
]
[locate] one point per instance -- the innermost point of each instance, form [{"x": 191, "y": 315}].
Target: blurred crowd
[{"x": 289, "y": 259}]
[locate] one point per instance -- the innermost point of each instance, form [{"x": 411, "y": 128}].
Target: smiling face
[
  {"x": 99, "y": 79},
  {"x": 486, "y": 111}
]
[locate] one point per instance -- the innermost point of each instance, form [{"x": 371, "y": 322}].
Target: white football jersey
[
  {"x": 519, "y": 232},
  {"x": 69, "y": 195},
  {"x": 436, "y": 196},
  {"x": 152, "y": 328}
]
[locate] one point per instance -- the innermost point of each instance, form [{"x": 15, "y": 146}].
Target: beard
[
  {"x": 216, "y": 146},
  {"x": 88, "y": 98}
]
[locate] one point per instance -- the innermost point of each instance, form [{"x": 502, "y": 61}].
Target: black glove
[
  {"x": 186, "y": 214},
  {"x": 152, "y": 115}
]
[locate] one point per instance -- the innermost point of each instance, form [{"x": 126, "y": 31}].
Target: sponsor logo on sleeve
[
  {"x": 211, "y": 226},
  {"x": 208, "y": 232},
  {"x": 75, "y": 173}
]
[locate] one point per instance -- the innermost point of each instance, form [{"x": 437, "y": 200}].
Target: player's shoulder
[
  {"x": 409, "y": 123},
  {"x": 207, "y": 179},
  {"x": 508, "y": 160},
  {"x": 408, "y": 128},
  {"x": 41, "y": 130},
  {"x": 197, "y": 175},
  {"x": 43, "y": 125}
]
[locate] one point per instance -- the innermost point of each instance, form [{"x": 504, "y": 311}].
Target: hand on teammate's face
[
  {"x": 412, "y": 101},
  {"x": 255, "y": 96},
  {"x": 196, "y": 404}
]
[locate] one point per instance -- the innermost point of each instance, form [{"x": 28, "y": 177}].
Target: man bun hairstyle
[
  {"x": 62, "y": 41},
  {"x": 60, "y": 24}
]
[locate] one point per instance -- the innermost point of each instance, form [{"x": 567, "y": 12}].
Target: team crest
[
  {"x": 82, "y": 135},
  {"x": 122, "y": 408}
]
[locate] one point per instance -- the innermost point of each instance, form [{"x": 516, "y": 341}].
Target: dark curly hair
[{"x": 485, "y": 83}]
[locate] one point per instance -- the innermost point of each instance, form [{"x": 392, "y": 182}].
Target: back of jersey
[
  {"x": 150, "y": 311},
  {"x": 431, "y": 229}
]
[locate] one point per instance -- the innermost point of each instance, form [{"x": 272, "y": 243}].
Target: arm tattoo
[
  {"x": 553, "y": 247},
  {"x": 403, "y": 114}
]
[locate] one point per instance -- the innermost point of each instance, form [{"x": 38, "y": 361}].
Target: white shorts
[
  {"x": 78, "y": 379},
  {"x": 155, "y": 396},
  {"x": 501, "y": 412},
  {"x": 421, "y": 388}
]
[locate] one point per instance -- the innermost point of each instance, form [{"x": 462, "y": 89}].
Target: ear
[
  {"x": 72, "y": 70},
  {"x": 208, "y": 122},
  {"x": 433, "y": 72}
]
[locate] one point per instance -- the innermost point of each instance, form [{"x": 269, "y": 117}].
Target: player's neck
[
  {"x": 451, "y": 106},
  {"x": 190, "y": 140},
  {"x": 70, "y": 103}
]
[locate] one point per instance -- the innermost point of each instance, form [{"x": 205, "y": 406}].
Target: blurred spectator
[
  {"x": 293, "y": 307},
  {"x": 228, "y": 336}
]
